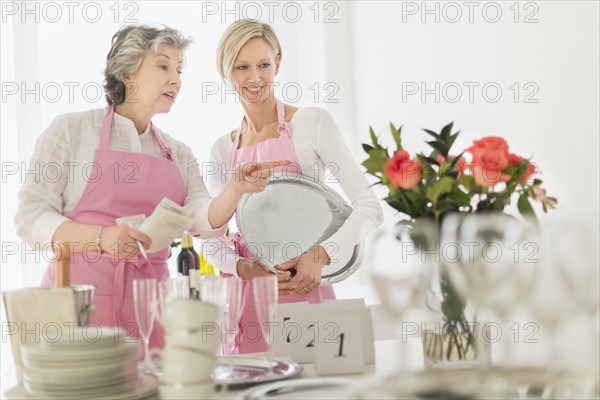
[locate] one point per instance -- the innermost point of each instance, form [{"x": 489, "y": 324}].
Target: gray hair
[
  {"x": 236, "y": 36},
  {"x": 129, "y": 46}
]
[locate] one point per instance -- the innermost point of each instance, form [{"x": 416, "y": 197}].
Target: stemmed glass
[
  {"x": 266, "y": 297},
  {"x": 490, "y": 260},
  {"x": 401, "y": 272},
  {"x": 567, "y": 290},
  {"x": 144, "y": 302},
  {"x": 229, "y": 323}
]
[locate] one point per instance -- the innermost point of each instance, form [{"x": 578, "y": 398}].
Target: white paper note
[{"x": 168, "y": 221}]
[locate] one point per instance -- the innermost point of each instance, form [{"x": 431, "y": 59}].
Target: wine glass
[
  {"x": 229, "y": 324},
  {"x": 144, "y": 302},
  {"x": 567, "y": 291},
  {"x": 266, "y": 297},
  {"x": 489, "y": 260},
  {"x": 401, "y": 272},
  {"x": 212, "y": 290}
]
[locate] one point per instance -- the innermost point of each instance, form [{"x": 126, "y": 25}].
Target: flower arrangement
[
  {"x": 482, "y": 178},
  {"x": 430, "y": 186}
]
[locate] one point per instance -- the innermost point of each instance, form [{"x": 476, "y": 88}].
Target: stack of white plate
[{"x": 88, "y": 362}]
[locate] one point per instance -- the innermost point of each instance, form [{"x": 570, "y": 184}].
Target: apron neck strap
[{"x": 284, "y": 127}]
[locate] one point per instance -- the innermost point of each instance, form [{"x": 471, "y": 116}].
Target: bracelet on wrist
[{"x": 98, "y": 237}]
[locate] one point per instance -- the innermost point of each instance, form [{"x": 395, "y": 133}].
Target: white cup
[
  {"x": 187, "y": 315},
  {"x": 207, "y": 339}
]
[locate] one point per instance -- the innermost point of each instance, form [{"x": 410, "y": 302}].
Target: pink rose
[
  {"x": 402, "y": 171},
  {"x": 490, "y": 157},
  {"x": 514, "y": 161}
]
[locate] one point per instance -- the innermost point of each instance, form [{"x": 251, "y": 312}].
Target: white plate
[
  {"x": 36, "y": 356},
  {"x": 317, "y": 388},
  {"x": 145, "y": 387},
  {"x": 90, "y": 337},
  {"x": 61, "y": 379}
]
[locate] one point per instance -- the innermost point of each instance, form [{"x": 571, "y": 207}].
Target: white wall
[{"x": 558, "y": 54}]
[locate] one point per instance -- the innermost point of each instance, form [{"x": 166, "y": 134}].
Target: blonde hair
[
  {"x": 236, "y": 36},
  {"x": 129, "y": 46}
]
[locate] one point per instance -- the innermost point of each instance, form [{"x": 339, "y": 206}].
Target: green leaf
[
  {"x": 397, "y": 204},
  {"x": 373, "y": 138},
  {"x": 451, "y": 140},
  {"x": 459, "y": 197},
  {"x": 439, "y": 188},
  {"x": 396, "y": 135},
  {"x": 454, "y": 161},
  {"x": 446, "y": 131},
  {"x": 367, "y": 147},
  {"x": 430, "y": 174},
  {"x": 437, "y": 146},
  {"x": 376, "y": 160},
  {"x": 469, "y": 183},
  {"x": 452, "y": 308},
  {"x": 525, "y": 208},
  {"x": 431, "y": 160},
  {"x": 432, "y": 133}
]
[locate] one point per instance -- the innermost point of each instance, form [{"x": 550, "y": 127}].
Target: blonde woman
[
  {"x": 249, "y": 57},
  {"x": 135, "y": 165}
]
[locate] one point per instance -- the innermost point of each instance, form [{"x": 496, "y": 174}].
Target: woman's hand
[
  {"x": 253, "y": 177},
  {"x": 308, "y": 275},
  {"x": 120, "y": 241},
  {"x": 249, "y": 270},
  {"x": 248, "y": 178}
]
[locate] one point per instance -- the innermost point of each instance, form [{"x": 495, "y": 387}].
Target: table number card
[
  {"x": 366, "y": 323},
  {"x": 303, "y": 328},
  {"x": 302, "y": 349},
  {"x": 339, "y": 349},
  {"x": 287, "y": 328}
]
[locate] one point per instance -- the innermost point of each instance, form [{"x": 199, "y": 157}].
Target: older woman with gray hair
[{"x": 113, "y": 162}]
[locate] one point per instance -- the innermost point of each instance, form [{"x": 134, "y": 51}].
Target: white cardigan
[
  {"x": 319, "y": 146},
  {"x": 64, "y": 150}
]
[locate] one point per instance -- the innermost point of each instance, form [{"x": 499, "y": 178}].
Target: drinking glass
[
  {"x": 401, "y": 272},
  {"x": 144, "y": 302},
  {"x": 212, "y": 290},
  {"x": 566, "y": 296},
  {"x": 229, "y": 326},
  {"x": 266, "y": 297}
]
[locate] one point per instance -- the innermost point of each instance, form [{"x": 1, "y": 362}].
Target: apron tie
[
  {"x": 285, "y": 127},
  {"x": 119, "y": 282}
]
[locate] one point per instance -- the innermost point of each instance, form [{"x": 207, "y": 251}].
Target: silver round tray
[{"x": 292, "y": 216}]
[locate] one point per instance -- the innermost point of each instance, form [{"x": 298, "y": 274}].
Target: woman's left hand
[{"x": 308, "y": 272}]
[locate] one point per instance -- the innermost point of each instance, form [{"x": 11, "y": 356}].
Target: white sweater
[
  {"x": 64, "y": 150},
  {"x": 319, "y": 145}
]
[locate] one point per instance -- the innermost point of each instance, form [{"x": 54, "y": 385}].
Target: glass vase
[{"x": 462, "y": 341}]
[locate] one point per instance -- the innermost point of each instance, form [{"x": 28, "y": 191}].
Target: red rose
[
  {"x": 515, "y": 160},
  {"x": 490, "y": 157},
  {"x": 402, "y": 171}
]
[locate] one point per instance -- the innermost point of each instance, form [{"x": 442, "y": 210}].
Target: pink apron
[
  {"x": 249, "y": 338},
  {"x": 122, "y": 184}
]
